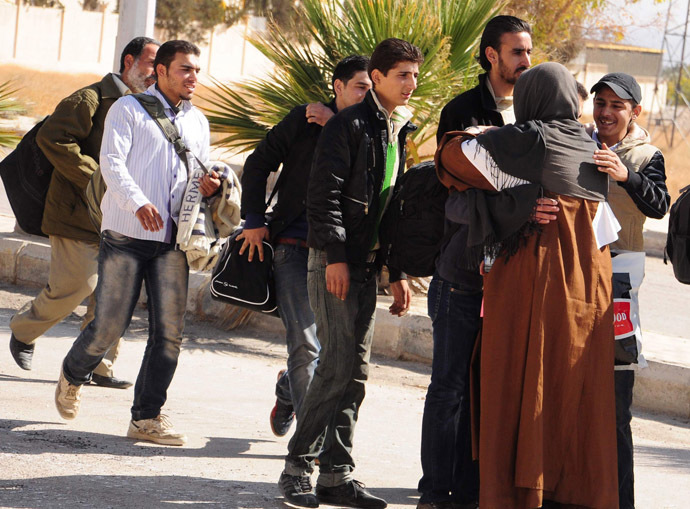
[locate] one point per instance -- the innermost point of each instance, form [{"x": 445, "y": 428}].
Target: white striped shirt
[{"x": 140, "y": 165}]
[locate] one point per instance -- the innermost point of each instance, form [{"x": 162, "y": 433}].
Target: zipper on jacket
[{"x": 366, "y": 205}]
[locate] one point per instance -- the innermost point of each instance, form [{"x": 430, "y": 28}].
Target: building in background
[
  {"x": 599, "y": 58},
  {"x": 73, "y": 39}
]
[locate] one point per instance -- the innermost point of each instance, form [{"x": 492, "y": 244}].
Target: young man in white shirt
[{"x": 146, "y": 183}]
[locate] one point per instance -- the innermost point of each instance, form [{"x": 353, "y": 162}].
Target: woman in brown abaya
[{"x": 546, "y": 397}]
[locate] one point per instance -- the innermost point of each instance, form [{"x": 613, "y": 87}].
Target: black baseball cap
[{"x": 623, "y": 85}]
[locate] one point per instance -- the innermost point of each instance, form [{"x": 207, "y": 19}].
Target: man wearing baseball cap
[{"x": 637, "y": 190}]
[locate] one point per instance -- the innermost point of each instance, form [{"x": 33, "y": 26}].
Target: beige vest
[{"x": 635, "y": 152}]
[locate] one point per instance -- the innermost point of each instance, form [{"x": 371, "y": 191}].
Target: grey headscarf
[{"x": 547, "y": 145}]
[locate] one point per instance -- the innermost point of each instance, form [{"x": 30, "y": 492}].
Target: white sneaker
[
  {"x": 158, "y": 430},
  {"x": 67, "y": 398}
]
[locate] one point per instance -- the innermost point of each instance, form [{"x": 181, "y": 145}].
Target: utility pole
[
  {"x": 681, "y": 68},
  {"x": 136, "y": 19}
]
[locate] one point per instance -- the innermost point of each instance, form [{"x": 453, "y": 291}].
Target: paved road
[{"x": 221, "y": 397}]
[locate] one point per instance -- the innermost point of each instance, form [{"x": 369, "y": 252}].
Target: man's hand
[
  {"x": 401, "y": 298},
  {"x": 318, "y": 113},
  {"x": 253, "y": 239},
  {"x": 338, "y": 279},
  {"x": 480, "y": 129},
  {"x": 149, "y": 218},
  {"x": 607, "y": 161},
  {"x": 545, "y": 210},
  {"x": 209, "y": 184}
]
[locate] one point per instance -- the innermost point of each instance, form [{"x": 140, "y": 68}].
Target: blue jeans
[
  {"x": 449, "y": 473},
  {"x": 123, "y": 263},
  {"x": 624, "y": 382},
  {"x": 290, "y": 268},
  {"x": 331, "y": 406}
]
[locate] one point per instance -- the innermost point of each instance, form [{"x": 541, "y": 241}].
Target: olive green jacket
[{"x": 71, "y": 140}]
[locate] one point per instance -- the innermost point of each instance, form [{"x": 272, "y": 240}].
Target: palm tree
[
  {"x": 8, "y": 106},
  {"x": 447, "y": 32}
]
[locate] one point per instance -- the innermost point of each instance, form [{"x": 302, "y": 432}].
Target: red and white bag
[{"x": 628, "y": 273}]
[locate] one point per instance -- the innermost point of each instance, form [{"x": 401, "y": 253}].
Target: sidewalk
[{"x": 664, "y": 387}]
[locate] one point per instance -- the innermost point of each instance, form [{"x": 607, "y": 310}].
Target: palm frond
[
  {"x": 447, "y": 32},
  {"x": 9, "y": 106}
]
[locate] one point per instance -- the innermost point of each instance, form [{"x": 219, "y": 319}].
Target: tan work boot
[
  {"x": 67, "y": 398},
  {"x": 158, "y": 430}
]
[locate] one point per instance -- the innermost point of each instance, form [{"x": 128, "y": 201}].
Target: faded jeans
[
  {"x": 449, "y": 473},
  {"x": 290, "y": 269},
  {"x": 123, "y": 264},
  {"x": 331, "y": 406}
]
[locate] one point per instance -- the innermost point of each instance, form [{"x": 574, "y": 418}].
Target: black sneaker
[
  {"x": 350, "y": 494},
  {"x": 21, "y": 352},
  {"x": 297, "y": 490},
  {"x": 282, "y": 416}
]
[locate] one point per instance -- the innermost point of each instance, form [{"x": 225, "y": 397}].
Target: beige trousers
[{"x": 73, "y": 277}]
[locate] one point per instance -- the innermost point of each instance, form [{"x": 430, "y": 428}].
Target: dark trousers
[
  {"x": 345, "y": 328},
  {"x": 449, "y": 473},
  {"x": 624, "y": 382},
  {"x": 123, "y": 264}
]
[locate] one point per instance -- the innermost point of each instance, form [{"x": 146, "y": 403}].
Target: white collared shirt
[
  {"x": 140, "y": 165},
  {"x": 504, "y": 105}
]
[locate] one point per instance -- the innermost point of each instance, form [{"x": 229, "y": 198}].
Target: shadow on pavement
[
  {"x": 21, "y": 379},
  {"x": 97, "y": 491},
  {"x": 60, "y": 440},
  {"x": 670, "y": 457}
]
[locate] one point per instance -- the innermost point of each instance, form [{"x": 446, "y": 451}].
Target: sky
[{"x": 646, "y": 20}]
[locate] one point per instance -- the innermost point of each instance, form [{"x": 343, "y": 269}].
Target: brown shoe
[
  {"x": 67, "y": 398},
  {"x": 159, "y": 430}
]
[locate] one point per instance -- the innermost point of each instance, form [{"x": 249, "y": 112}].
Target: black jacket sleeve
[
  {"x": 267, "y": 158},
  {"x": 445, "y": 123},
  {"x": 647, "y": 188},
  {"x": 330, "y": 170}
]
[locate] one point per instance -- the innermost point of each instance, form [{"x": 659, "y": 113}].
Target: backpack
[
  {"x": 678, "y": 238},
  {"x": 412, "y": 228},
  {"x": 26, "y": 175}
]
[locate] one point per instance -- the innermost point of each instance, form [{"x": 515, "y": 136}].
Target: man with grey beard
[{"x": 71, "y": 140}]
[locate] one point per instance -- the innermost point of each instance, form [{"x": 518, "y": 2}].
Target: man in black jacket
[
  {"x": 291, "y": 143},
  {"x": 450, "y": 478},
  {"x": 360, "y": 154}
]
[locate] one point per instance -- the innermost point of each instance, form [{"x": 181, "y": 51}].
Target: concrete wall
[{"x": 73, "y": 40}]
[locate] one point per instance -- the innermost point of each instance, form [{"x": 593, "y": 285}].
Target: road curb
[{"x": 663, "y": 388}]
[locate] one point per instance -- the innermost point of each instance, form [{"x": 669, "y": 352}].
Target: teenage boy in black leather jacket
[
  {"x": 359, "y": 156},
  {"x": 292, "y": 143}
]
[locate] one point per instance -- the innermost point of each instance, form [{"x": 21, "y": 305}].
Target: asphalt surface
[{"x": 221, "y": 397}]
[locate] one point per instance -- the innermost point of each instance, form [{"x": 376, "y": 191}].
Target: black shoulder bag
[{"x": 238, "y": 281}]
